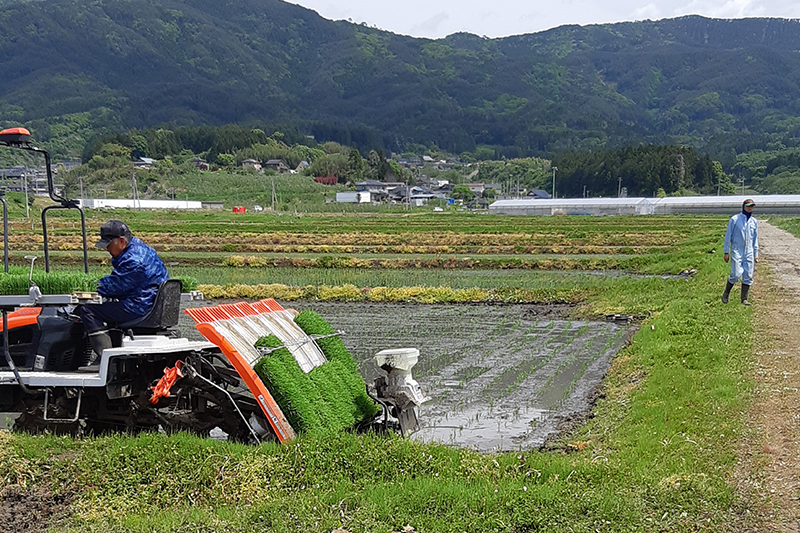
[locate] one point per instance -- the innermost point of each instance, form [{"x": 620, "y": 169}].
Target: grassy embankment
[
  {"x": 792, "y": 225},
  {"x": 656, "y": 457}
]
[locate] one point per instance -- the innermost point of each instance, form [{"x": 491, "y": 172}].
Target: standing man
[
  {"x": 130, "y": 290},
  {"x": 741, "y": 249}
]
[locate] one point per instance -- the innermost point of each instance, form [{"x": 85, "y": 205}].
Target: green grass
[
  {"x": 657, "y": 456},
  {"x": 790, "y": 224}
]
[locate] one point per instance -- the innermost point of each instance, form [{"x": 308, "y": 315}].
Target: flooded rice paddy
[{"x": 499, "y": 377}]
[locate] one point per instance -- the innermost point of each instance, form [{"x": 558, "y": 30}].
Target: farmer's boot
[
  {"x": 100, "y": 341},
  {"x": 727, "y": 292},
  {"x": 745, "y": 292}
]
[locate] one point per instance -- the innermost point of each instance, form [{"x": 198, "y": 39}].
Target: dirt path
[{"x": 769, "y": 474}]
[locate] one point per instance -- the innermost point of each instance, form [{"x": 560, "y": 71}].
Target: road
[{"x": 769, "y": 468}]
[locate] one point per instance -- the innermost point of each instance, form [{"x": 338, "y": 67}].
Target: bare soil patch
[
  {"x": 24, "y": 510},
  {"x": 768, "y": 475}
]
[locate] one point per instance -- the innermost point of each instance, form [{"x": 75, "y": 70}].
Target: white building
[
  {"x": 353, "y": 197},
  {"x": 127, "y": 203}
]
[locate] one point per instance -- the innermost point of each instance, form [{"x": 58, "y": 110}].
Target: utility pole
[
  {"x": 619, "y": 187},
  {"x": 25, "y": 183},
  {"x": 584, "y": 191},
  {"x": 133, "y": 186},
  {"x": 273, "y": 192},
  {"x": 80, "y": 186},
  {"x": 554, "y": 181}
]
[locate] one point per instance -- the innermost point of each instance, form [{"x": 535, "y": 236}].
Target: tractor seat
[{"x": 164, "y": 314}]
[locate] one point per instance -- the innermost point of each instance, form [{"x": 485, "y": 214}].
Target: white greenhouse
[{"x": 766, "y": 204}]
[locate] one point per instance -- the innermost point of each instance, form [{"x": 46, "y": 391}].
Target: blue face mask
[{"x": 746, "y": 214}]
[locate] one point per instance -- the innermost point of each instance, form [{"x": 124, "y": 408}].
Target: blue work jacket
[{"x": 137, "y": 273}]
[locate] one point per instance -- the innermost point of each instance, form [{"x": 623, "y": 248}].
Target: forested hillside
[{"x": 73, "y": 70}]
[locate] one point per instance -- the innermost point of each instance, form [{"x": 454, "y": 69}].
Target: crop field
[
  {"x": 543, "y": 416},
  {"x": 221, "y": 243}
]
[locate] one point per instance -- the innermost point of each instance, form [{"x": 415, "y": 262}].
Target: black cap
[{"x": 110, "y": 231}]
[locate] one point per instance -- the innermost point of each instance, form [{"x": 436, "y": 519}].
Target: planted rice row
[
  {"x": 486, "y": 263},
  {"x": 426, "y": 295}
]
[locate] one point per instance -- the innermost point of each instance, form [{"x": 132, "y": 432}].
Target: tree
[
  {"x": 226, "y": 160},
  {"x": 462, "y": 192},
  {"x": 330, "y": 165},
  {"x": 355, "y": 166},
  {"x": 111, "y": 156}
]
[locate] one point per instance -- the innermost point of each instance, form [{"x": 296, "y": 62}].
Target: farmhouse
[
  {"x": 251, "y": 163},
  {"x": 539, "y": 194},
  {"x": 200, "y": 164},
  {"x": 278, "y": 165},
  {"x": 144, "y": 163}
]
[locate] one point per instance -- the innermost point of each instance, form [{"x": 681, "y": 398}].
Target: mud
[
  {"x": 25, "y": 510},
  {"x": 499, "y": 377}
]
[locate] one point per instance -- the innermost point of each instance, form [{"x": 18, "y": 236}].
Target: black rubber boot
[
  {"x": 727, "y": 293},
  {"x": 745, "y": 293},
  {"x": 99, "y": 341}
]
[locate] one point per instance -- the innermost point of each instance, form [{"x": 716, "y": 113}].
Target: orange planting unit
[{"x": 235, "y": 328}]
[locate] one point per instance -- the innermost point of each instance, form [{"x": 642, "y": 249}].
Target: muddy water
[{"x": 500, "y": 377}]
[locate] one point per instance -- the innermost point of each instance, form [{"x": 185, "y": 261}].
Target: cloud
[
  {"x": 650, "y": 11},
  {"x": 727, "y": 9},
  {"x": 496, "y": 18},
  {"x": 431, "y": 25}
]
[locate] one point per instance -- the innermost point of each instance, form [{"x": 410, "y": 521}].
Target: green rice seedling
[
  {"x": 291, "y": 388},
  {"x": 332, "y": 397},
  {"x": 52, "y": 283}
]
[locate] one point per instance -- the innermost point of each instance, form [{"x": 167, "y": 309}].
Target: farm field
[
  {"x": 499, "y": 378},
  {"x": 656, "y": 452}
]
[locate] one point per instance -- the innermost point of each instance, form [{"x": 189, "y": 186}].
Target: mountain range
[{"x": 77, "y": 69}]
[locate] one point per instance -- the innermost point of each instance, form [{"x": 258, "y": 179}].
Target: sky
[{"x": 501, "y": 18}]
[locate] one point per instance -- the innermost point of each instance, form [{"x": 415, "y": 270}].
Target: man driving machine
[{"x": 130, "y": 290}]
